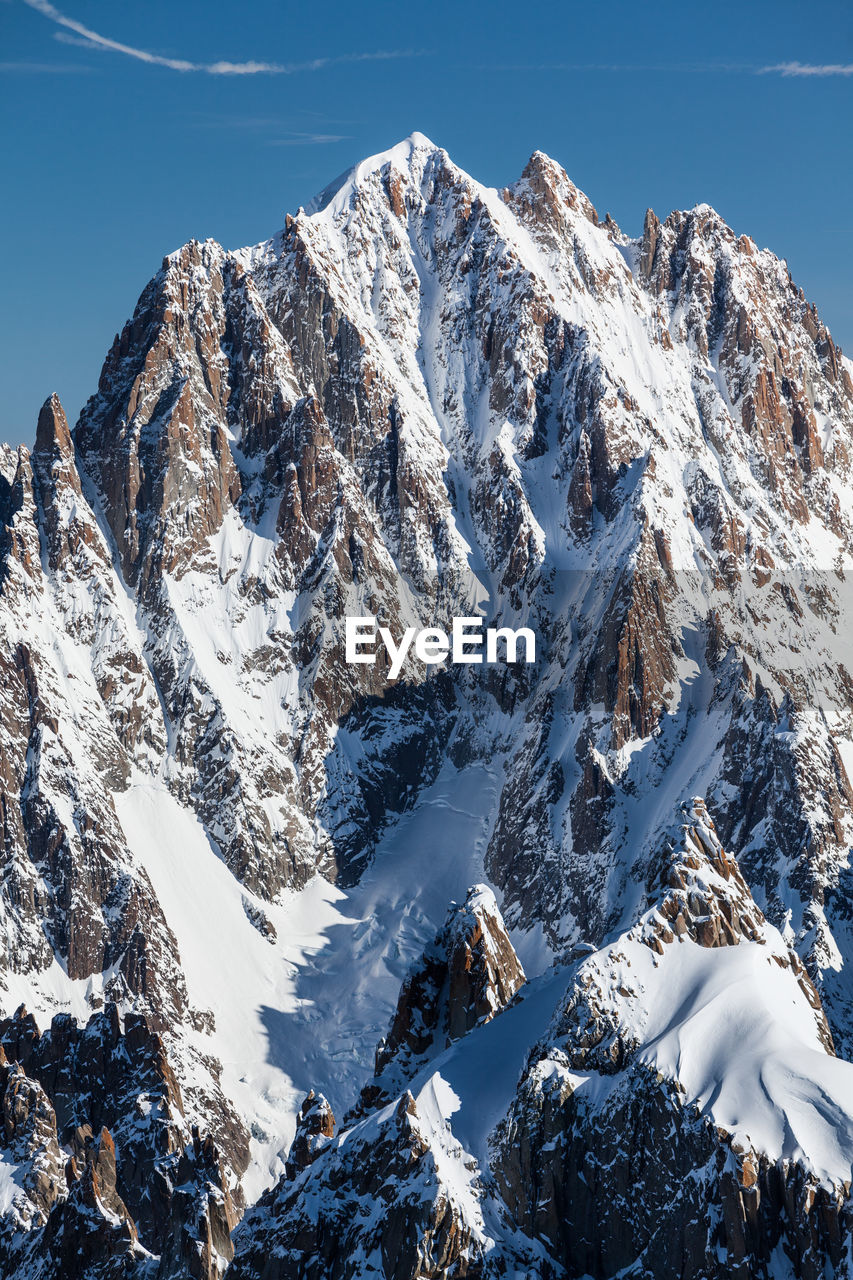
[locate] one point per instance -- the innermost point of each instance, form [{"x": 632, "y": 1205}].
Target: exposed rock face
[
  {"x": 641, "y": 1186},
  {"x": 483, "y": 971},
  {"x": 66, "y": 1218},
  {"x": 606, "y": 1160},
  {"x": 636, "y": 1178},
  {"x": 90, "y": 1233},
  {"x": 224, "y": 846},
  {"x": 383, "y": 1199},
  {"x": 109, "y": 1198},
  {"x": 202, "y": 1215},
  {"x": 30, "y": 1142},
  {"x": 107, "y": 1076},
  {"x": 72, "y": 888},
  {"x": 315, "y": 1128},
  {"x": 467, "y": 975}
]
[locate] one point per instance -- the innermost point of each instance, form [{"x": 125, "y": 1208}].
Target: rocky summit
[{"x": 520, "y": 969}]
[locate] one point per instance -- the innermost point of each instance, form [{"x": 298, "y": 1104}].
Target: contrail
[
  {"x": 90, "y": 38},
  {"x": 808, "y": 69}
]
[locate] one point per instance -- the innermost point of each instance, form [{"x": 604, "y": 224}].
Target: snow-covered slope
[{"x": 229, "y": 856}]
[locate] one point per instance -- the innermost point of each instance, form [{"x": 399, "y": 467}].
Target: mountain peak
[
  {"x": 52, "y": 432},
  {"x": 418, "y": 139},
  {"x": 402, "y": 155},
  {"x": 435, "y": 400}
]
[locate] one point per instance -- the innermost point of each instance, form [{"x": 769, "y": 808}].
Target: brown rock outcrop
[
  {"x": 315, "y": 1128},
  {"x": 468, "y": 974}
]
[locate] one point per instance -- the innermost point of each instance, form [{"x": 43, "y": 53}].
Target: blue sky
[{"x": 127, "y": 129}]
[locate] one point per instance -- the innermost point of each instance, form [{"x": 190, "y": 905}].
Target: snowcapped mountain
[{"x": 502, "y": 970}]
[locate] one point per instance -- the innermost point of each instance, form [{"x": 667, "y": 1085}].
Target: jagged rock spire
[{"x": 52, "y": 432}]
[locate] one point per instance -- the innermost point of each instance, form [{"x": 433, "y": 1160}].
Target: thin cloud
[
  {"x": 619, "y": 68},
  {"x": 669, "y": 68},
  {"x": 317, "y": 123},
  {"x": 808, "y": 69},
  {"x": 308, "y": 139},
  {"x": 44, "y": 68},
  {"x": 65, "y": 37},
  {"x": 90, "y": 39}
]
